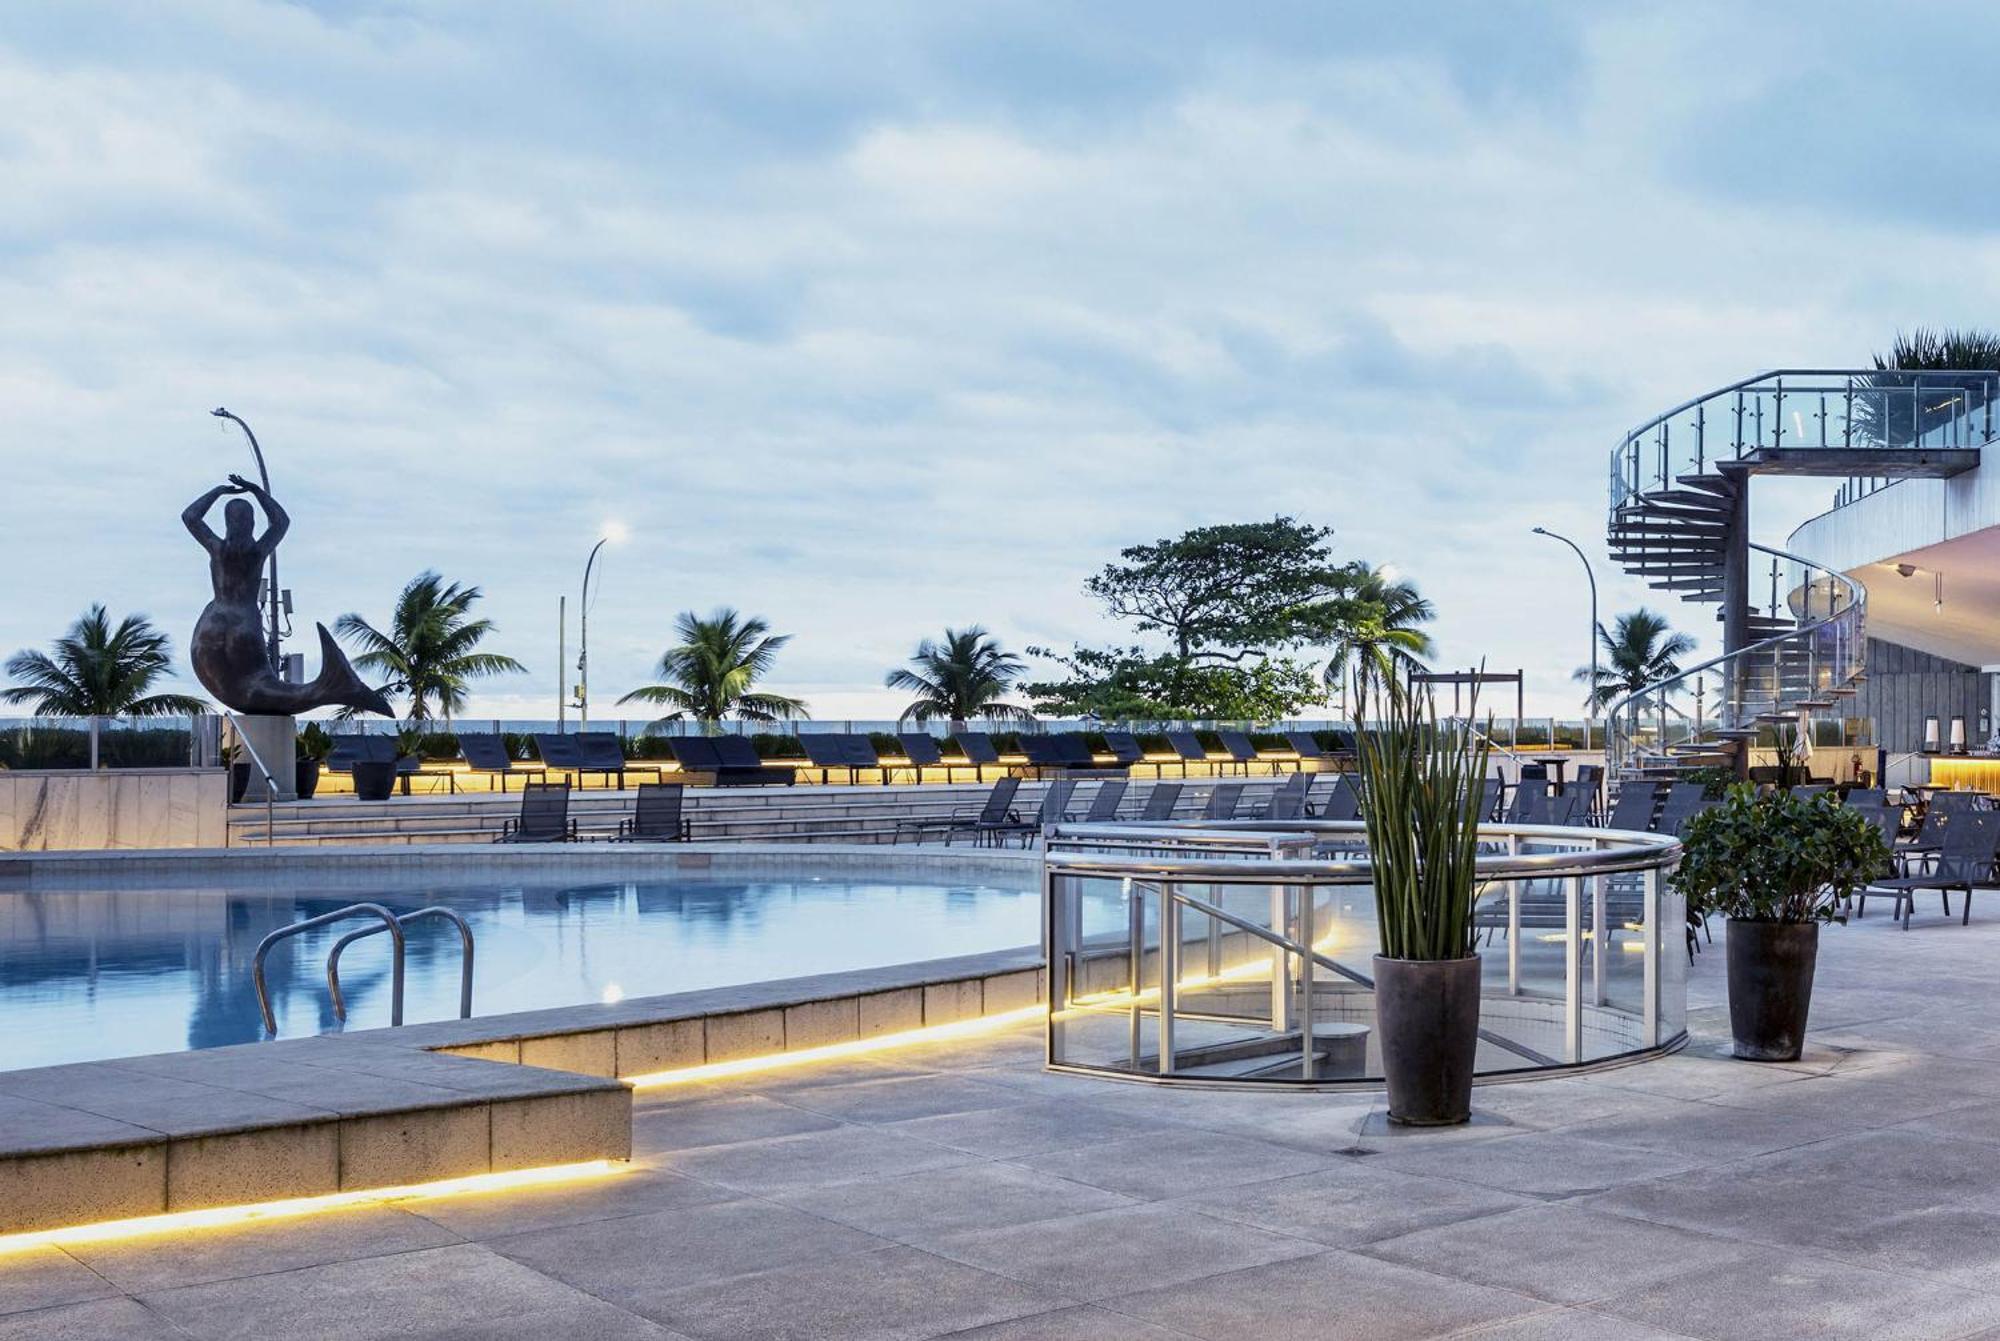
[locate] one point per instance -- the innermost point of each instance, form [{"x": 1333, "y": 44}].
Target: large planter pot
[
  {"x": 1770, "y": 987},
  {"x": 306, "y": 779},
  {"x": 374, "y": 780},
  {"x": 1427, "y": 1019}
]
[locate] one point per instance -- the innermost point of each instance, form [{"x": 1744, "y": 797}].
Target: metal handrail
[
  {"x": 390, "y": 924},
  {"x": 1852, "y": 614},
  {"x": 1290, "y": 932},
  {"x": 270, "y": 783},
  {"x": 1612, "y": 851},
  {"x": 465, "y": 962}
]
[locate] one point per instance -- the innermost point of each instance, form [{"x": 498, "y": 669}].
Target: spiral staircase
[{"x": 1794, "y": 637}]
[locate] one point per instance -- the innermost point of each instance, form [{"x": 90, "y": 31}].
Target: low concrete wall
[{"x": 80, "y": 810}]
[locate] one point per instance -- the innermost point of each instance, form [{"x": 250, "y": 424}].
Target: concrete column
[
  {"x": 1736, "y": 604},
  {"x": 275, "y": 740}
]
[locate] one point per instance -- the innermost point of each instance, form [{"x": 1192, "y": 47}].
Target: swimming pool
[{"x": 90, "y": 973}]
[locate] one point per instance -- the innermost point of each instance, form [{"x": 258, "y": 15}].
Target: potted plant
[
  {"x": 314, "y": 745},
  {"x": 1420, "y": 793},
  {"x": 1776, "y": 866},
  {"x": 375, "y": 779}
]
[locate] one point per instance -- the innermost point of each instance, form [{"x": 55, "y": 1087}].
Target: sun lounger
[
  {"x": 657, "y": 815},
  {"x": 488, "y": 754},
  {"x": 978, "y": 749},
  {"x": 1188, "y": 746},
  {"x": 989, "y": 817},
  {"x": 544, "y": 816}
]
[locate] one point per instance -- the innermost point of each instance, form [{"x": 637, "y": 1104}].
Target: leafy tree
[
  {"x": 1642, "y": 652},
  {"x": 429, "y": 651},
  {"x": 965, "y": 676},
  {"x": 1374, "y": 628},
  {"x": 712, "y": 673},
  {"x": 1226, "y": 599},
  {"x": 95, "y": 670}
]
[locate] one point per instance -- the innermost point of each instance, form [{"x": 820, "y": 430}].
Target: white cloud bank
[{"x": 875, "y": 318}]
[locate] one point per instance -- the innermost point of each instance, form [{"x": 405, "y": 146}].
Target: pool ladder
[{"x": 390, "y": 922}]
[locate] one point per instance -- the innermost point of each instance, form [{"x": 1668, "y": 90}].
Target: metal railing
[
  {"x": 404, "y": 919},
  {"x": 1732, "y": 694},
  {"x": 270, "y": 783},
  {"x": 286, "y": 932},
  {"x": 1230, "y": 953},
  {"x": 1845, "y": 409}
]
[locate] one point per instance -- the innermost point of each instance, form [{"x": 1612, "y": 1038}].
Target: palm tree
[
  {"x": 711, "y": 675},
  {"x": 95, "y": 670},
  {"x": 1642, "y": 652},
  {"x": 1899, "y": 415},
  {"x": 428, "y": 651},
  {"x": 963, "y": 677},
  {"x": 1377, "y": 634}
]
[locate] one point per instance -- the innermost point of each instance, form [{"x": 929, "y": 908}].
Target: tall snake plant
[{"x": 1420, "y": 786}]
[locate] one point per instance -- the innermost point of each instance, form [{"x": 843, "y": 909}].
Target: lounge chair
[
  {"x": 1076, "y": 753},
  {"x": 979, "y": 751},
  {"x": 1866, "y": 796},
  {"x": 1964, "y": 862},
  {"x": 921, "y": 749},
  {"x": 1223, "y": 798},
  {"x": 831, "y": 751},
  {"x": 488, "y": 754},
  {"x": 704, "y": 756},
  {"x": 1104, "y": 802},
  {"x": 1490, "y": 792},
  {"x": 1055, "y": 800},
  {"x": 1530, "y": 802},
  {"x": 544, "y": 816},
  {"x": 603, "y": 752},
  {"x": 1188, "y": 746},
  {"x": 1344, "y": 804},
  {"x": 1684, "y": 801},
  {"x": 1633, "y": 811},
  {"x": 1160, "y": 802},
  {"x": 1043, "y": 753},
  {"x": 1241, "y": 749},
  {"x": 1125, "y": 748},
  {"x": 1288, "y": 799},
  {"x": 991, "y": 815},
  {"x": 588, "y": 752},
  {"x": 657, "y": 816}
]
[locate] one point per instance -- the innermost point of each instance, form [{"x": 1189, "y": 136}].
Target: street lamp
[
  {"x": 1591, "y": 701},
  {"x": 264, "y": 476},
  {"x": 613, "y": 531}
]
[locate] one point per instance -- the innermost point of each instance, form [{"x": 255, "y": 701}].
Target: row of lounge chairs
[{"x": 729, "y": 761}]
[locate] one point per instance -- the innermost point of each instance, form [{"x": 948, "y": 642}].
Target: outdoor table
[{"x": 1558, "y": 762}]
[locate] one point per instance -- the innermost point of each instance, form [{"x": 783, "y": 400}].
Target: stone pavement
[{"x": 959, "y": 1191}]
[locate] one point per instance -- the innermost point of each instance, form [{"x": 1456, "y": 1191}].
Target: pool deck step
[
  {"x": 139, "y": 1136},
  {"x": 822, "y": 814}
]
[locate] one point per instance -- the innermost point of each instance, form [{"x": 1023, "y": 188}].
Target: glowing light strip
[
  {"x": 224, "y": 1217},
  {"x": 856, "y": 1047}
]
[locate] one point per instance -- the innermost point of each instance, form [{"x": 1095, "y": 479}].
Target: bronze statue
[{"x": 230, "y": 656}]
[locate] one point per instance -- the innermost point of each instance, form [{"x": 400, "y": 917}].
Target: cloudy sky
[{"x": 874, "y": 318}]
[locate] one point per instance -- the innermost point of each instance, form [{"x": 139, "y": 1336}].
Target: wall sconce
[
  {"x": 1958, "y": 735},
  {"x": 1930, "y": 735}
]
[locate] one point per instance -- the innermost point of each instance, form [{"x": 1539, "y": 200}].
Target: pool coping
[{"x": 138, "y": 1136}]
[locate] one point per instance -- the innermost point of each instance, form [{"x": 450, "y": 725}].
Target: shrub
[{"x": 1778, "y": 858}]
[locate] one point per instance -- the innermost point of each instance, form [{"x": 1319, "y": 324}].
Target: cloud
[{"x": 878, "y": 318}]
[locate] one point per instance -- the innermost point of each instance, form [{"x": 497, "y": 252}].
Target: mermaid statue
[{"x": 230, "y": 656}]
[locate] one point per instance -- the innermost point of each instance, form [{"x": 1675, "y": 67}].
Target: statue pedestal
[{"x": 275, "y": 739}]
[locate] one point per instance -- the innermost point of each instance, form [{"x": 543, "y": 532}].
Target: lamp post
[
  {"x": 1591, "y": 701},
  {"x": 264, "y": 476},
  {"x": 612, "y": 531}
]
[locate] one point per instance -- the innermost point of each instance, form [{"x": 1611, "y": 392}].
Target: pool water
[{"x": 101, "y": 973}]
